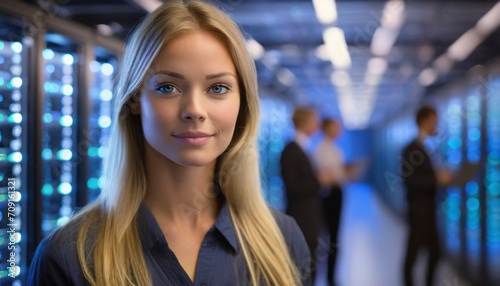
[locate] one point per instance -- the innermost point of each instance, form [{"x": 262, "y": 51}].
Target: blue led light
[
  {"x": 455, "y": 143},
  {"x": 2, "y": 60},
  {"x": 102, "y": 151},
  {"x": 16, "y": 82},
  {"x": 94, "y": 66},
  {"x": 48, "y": 54},
  {"x": 47, "y": 190},
  {"x": 68, "y": 59},
  {"x": 93, "y": 151},
  {"x": 50, "y": 68},
  {"x": 16, "y": 70},
  {"x": 455, "y": 158},
  {"x": 107, "y": 69},
  {"x": 494, "y": 188},
  {"x": 15, "y": 157},
  {"x": 47, "y": 154},
  {"x": 101, "y": 182},
  {"x": 66, "y": 120},
  {"x": 64, "y": 154},
  {"x": 15, "y": 118},
  {"x": 472, "y": 188},
  {"x": 16, "y": 47},
  {"x": 104, "y": 121},
  {"x": 1, "y": 45},
  {"x": 65, "y": 211},
  {"x": 474, "y": 134},
  {"x": 473, "y": 204},
  {"x": 67, "y": 89},
  {"x": 51, "y": 87},
  {"x": 47, "y": 118},
  {"x": 93, "y": 183},
  {"x": 14, "y": 271},
  {"x": 106, "y": 95},
  {"x": 453, "y": 214},
  {"x": 65, "y": 188},
  {"x": 493, "y": 175}
]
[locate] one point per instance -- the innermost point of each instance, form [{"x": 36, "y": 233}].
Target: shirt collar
[
  {"x": 302, "y": 139},
  {"x": 150, "y": 232}
]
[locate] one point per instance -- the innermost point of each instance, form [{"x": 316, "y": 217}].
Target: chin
[{"x": 195, "y": 161}]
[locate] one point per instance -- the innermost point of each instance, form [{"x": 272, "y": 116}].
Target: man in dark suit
[
  {"x": 421, "y": 181},
  {"x": 302, "y": 186}
]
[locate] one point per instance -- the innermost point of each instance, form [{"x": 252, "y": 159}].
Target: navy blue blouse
[{"x": 220, "y": 261}]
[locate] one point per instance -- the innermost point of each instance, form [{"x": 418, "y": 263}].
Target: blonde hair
[{"x": 115, "y": 258}]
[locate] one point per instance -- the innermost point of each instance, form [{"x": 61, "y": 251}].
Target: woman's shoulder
[
  {"x": 293, "y": 235},
  {"x": 296, "y": 243},
  {"x": 56, "y": 259}
]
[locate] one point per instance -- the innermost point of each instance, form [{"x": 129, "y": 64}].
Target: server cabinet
[
  {"x": 14, "y": 57},
  {"x": 492, "y": 181},
  {"x": 55, "y": 93},
  {"x": 103, "y": 69},
  {"x": 59, "y": 133}
]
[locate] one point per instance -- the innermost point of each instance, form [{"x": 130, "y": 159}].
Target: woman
[{"x": 182, "y": 202}]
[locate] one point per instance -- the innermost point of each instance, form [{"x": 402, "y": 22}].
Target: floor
[{"x": 372, "y": 243}]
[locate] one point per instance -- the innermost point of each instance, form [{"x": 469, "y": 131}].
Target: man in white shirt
[{"x": 330, "y": 165}]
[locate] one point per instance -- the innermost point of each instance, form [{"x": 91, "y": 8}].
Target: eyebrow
[{"x": 211, "y": 76}]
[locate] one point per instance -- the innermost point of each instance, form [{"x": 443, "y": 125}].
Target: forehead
[{"x": 195, "y": 50}]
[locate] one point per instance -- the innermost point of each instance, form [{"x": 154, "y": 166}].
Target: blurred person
[
  {"x": 421, "y": 179},
  {"x": 301, "y": 183},
  {"x": 182, "y": 203},
  {"x": 330, "y": 166}
]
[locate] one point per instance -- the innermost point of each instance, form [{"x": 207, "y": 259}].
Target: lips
[{"x": 195, "y": 138}]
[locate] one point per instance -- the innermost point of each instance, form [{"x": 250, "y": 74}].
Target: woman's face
[{"x": 190, "y": 100}]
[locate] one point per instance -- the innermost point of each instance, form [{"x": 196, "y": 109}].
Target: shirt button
[
  {"x": 203, "y": 284},
  {"x": 209, "y": 244}
]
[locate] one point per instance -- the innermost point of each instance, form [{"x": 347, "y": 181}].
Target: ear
[{"x": 134, "y": 104}]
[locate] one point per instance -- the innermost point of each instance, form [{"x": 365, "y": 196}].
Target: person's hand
[{"x": 444, "y": 177}]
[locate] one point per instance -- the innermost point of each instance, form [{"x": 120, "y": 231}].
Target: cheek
[
  {"x": 227, "y": 119},
  {"x": 156, "y": 117}
]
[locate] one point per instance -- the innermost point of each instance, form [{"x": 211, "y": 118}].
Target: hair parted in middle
[{"x": 116, "y": 257}]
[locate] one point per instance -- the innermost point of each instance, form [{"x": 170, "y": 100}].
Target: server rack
[
  {"x": 49, "y": 119},
  {"x": 468, "y": 132}
]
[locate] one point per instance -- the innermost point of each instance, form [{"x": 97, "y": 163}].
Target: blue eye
[
  {"x": 166, "y": 88},
  {"x": 220, "y": 89}
]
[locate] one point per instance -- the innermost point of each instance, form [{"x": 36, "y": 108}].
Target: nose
[{"x": 193, "y": 107}]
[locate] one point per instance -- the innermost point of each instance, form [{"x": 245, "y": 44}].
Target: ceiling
[{"x": 294, "y": 69}]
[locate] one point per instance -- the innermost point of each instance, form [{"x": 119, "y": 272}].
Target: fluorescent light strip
[
  {"x": 490, "y": 21},
  {"x": 326, "y": 11},
  {"x": 463, "y": 46},
  {"x": 148, "y": 5},
  {"x": 467, "y": 43},
  {"x": 337, "y": 48}
]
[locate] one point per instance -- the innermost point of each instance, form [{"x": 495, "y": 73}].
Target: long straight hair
[{"x": 115, "y": 255}]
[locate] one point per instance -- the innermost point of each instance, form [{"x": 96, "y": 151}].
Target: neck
[
  {"x": 422, "y": 134},
  {"x": 303, "y": 132},
  {"x": 177, "y": 194}
]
